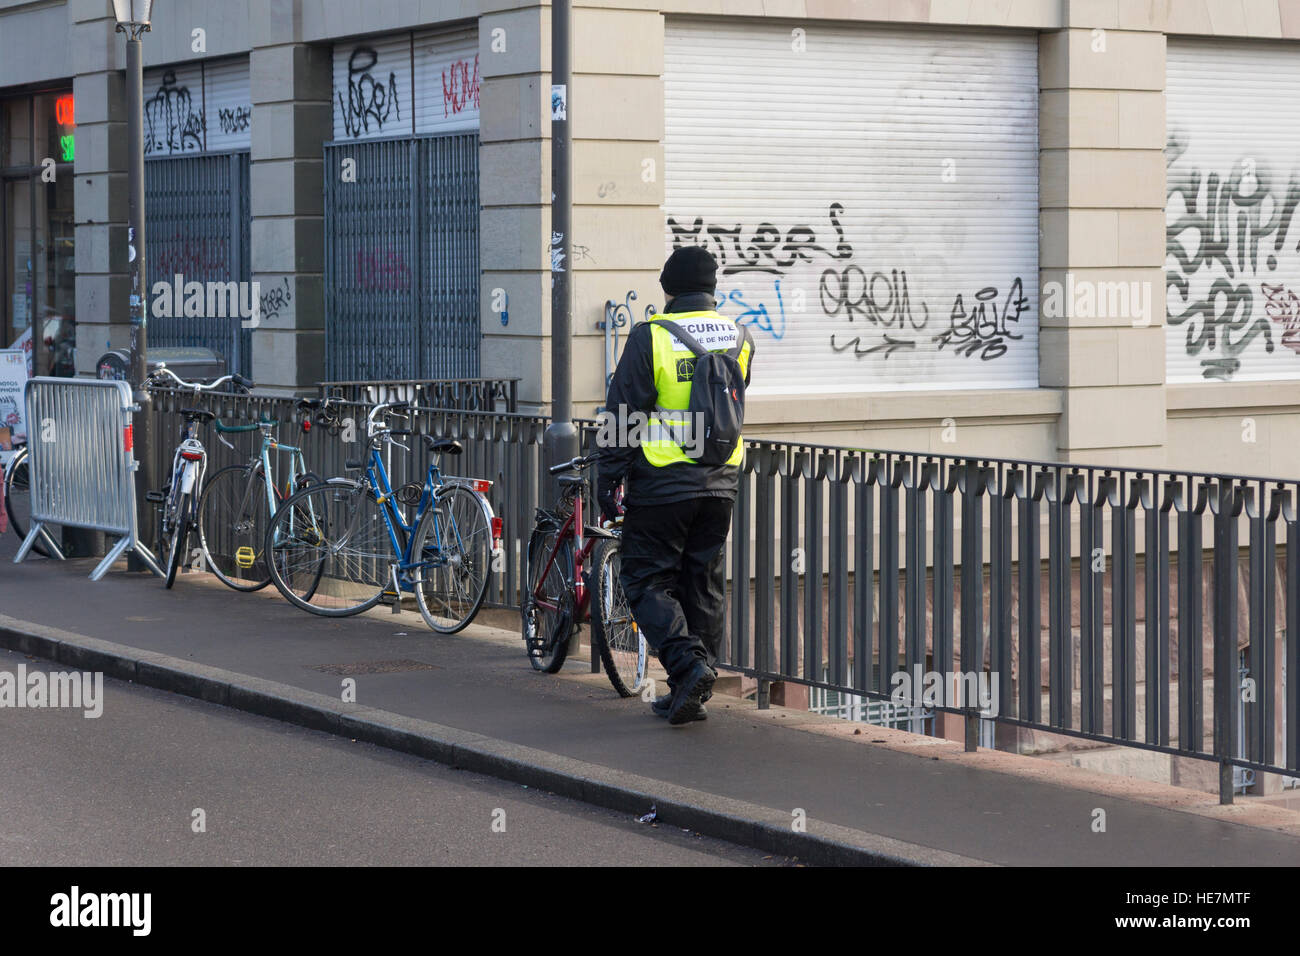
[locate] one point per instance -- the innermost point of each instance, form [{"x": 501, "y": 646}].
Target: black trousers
[{"x": 674, "y": 575}]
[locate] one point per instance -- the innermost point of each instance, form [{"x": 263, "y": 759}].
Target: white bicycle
[{"x": 180, "y": 496}]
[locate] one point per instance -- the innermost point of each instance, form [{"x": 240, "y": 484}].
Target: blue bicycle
[{"x": 336, "y": 548}]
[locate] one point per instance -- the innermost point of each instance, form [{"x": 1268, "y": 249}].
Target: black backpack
[{"x": 717, "y": 394}]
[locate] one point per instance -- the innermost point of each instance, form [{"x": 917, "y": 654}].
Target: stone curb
[{"x": 736, "y": 821}]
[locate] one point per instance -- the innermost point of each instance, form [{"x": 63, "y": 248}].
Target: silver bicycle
[{"x": 180, "y": 496}]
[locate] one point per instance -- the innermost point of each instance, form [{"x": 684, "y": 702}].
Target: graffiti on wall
[
  {"x": 766, "y": 249},
  {"x": 368, "y": 102},
  {"x": 235, "y": 119},
  {"x": 173, "y": 118},
  {"x": 878, "y": 311},
  {"x": 276, "y": 299},
  {"x": 190, "y": 255},
  {"x": 460, "y": 87},
  {"x": 382, "y": 270},
  {"x": 1230, "y": 239}
]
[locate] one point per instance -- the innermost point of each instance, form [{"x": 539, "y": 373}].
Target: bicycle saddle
[
  {"x": 449, "y": 445},
  {"x": 572, "y": 480},
  {"x": 310, "y": 402},
  {"x": 198, "y": 415}
]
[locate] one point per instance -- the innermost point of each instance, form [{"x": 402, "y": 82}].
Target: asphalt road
[{"x": 121, "y": 789}]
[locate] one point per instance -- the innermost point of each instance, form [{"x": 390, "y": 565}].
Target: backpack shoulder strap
[
  {"x": 740, "y": 342},
  {"x": 683, "y": 336}
]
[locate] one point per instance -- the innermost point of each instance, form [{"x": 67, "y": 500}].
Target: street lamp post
[
  {"x": 133, "y": 19},
  {"x": 561, "y": 438}
]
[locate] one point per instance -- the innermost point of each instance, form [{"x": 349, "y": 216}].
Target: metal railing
[
  {"x": 618, "y": 317},
  {"x": 504, "y": 448},
  {"x": 463, "y": 394},
  {"x": 1096, "y": 602},
  {"x": 869, "y": 565}
]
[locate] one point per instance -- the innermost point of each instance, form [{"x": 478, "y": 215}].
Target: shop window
[{"x": 37, "y": 227}]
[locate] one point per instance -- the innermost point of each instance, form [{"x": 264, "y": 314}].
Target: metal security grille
[
  {"x": 197, "y": 228},
  {"x": 402, "y": 259}
]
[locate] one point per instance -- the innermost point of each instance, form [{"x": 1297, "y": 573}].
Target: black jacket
[{"x": 633, "y": 388}]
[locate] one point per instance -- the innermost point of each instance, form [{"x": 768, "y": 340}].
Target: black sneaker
[
  {"x": 662, "y": 704},
  {"x": 689, "y": 696}
]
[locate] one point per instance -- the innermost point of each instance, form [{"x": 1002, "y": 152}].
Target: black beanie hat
[{"x": 689, "y": 269}]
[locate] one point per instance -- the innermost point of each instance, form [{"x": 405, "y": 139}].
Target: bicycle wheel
[
  {"x": 547, "y": 608},
  {"x": 622, "y": 648},
  {"x": 233, "y": 518},
  {"x": 453, "y": 542},
  {"x": 328, "y": 550},
  {"x": 18, "y": 502},
  {"x": 179, "y": 537}
]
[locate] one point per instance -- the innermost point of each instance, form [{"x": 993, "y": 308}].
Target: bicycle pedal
[
  {"x": 157, "y": 497},
  {"x": 245, "y": 557}
]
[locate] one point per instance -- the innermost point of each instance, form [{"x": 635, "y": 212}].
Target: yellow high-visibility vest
[{"x": 673, "y": 369}]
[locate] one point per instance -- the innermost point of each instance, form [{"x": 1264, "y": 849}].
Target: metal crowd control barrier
[{"x": 81, "y": 465}]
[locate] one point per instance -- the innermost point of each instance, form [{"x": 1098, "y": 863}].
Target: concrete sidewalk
[{"x": 472, "y": 700}]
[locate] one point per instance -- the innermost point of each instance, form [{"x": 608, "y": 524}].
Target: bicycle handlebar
[
  {"x": 162, "y": 371},
  {"x": 397, "y": 408},
  {"x": 574, "y": 464},
  {"x": 236, "y": 429}
]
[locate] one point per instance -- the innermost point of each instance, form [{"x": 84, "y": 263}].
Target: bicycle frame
[
  {"x": 573, "y": 528},
  {"x": 378, "y": 480},
  {"x": 187, "y": 472},
  {"x": 264, "y": 468}
]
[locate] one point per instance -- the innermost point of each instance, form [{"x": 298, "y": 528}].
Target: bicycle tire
[
  {"x": 622, "y": 646},
  {"x": 179, "y": 539},
  {"x": 546, "y": 631},
  {"x": 18, "y": 502},
  {"x": 316, "y": 572},
  {"x": 451, "y": 592},
  {"x": 306, "y": 480},
  {"x": 222, "y": 533},
  {"x": 301, "y": 485}
]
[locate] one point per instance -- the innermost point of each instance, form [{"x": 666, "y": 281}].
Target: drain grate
[{"x": 375, "y": 667}]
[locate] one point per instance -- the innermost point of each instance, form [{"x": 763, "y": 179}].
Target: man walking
[{"x": 678, "y": 509}]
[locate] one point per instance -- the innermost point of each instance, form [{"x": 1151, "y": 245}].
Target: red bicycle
[{"x": 573, "y": 577}]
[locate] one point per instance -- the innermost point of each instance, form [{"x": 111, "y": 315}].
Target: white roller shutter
[
  {"x": 1232, "y": 267},
  {"x": 197, "y": 108},
  {"x": 228, "y": 103},
  {"x": 446, "y": 80},
  {"x": 174, "y": 119},
  {"x": 871, "y": 195},
  {"x": 372, "y": 88}
]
